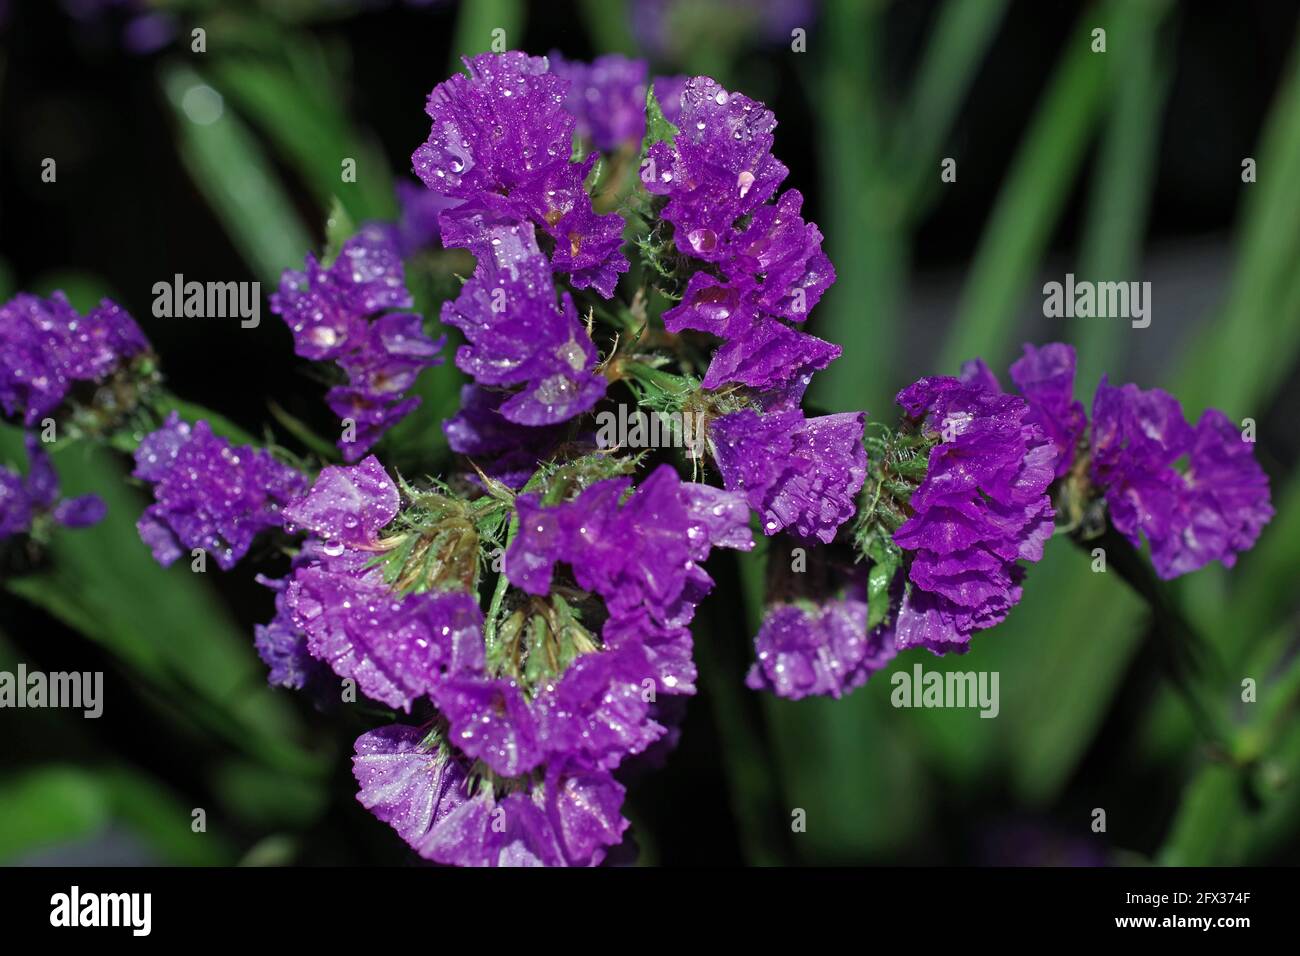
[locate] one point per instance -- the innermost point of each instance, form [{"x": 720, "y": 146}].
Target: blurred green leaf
[
  {"x": 7, "y": 289},
  {"x": 1264, "y": 593},
  {"x": 1246, "y": 352},
  {"x": 49, "y": 806},
  {"x": 159, "y": 818},
  {"x": 298, "y": 102},
  {"x": 267, "y": 798},
  {"x": 608, "y": 23},
  {"x": 960, "y": 38},
  {"x": 1032, "y": 198},
  {"x": 477, "y": 22},
  {"x": 230, "y": 169},
  {"x": 84, "y": 290},
  {"x": 863, "y": 213},
  {"x": 1075, "y": 635},
  {"x": 164, "y": 624},
  {"x": 193, "y": 412},
  {"x": 1120, "y": 197}
]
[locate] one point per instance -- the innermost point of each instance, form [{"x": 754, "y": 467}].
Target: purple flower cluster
[
  {"x": 23, "y": 500},
  {"x": 340, "y": 312},
  {"x": 982, "y": 507},
  {"x": 1213, "y": 509},
  {"x": 550, "y": 743},
  {"x": 762, "y": 266},
  {"x": 427, "y": 793},
  {"x": 642, "y": 557},
  {"x": 500, "y": 147},
  {"x": 395, "y": 647},
  {"x": 517, "y": 335},
  {"x": 505, "y": 451},
  {"x": 46, "y": 349},
  {"x": 208, "y": 494},
  {"x": 797, "y": 473},
  {"x": 811, "y": 648},
  {"x": 607, "y": 97}
]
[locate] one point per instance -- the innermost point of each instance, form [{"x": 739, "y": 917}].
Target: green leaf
[
  {"x": 339, "y": 228},
  {"x": 863, "y": 221},
  {"x": 1121, "y": 190},
  {"x": 1247, "y": 351},
  {"x": 230, "y": 169},
  {"x": 960, "y": 38},
  {"x": 1031, "y": 200},
  {"x": 297, "y": 100},
  {"x": 608, "y": 24},
  {"x": 193, "y": 412},
  {"x": 476, "y": 25},
  {"x": 165, "y": 625},
  {"x": 49, "y": 806},
  {"x": 657, "y": 127}
]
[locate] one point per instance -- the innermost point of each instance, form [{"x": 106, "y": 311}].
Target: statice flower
[
  {"x": 426, "y": 792},
  {"x": 1213, "y": 509},
  {"x": 418, "y": 228},
  {"x": 207, "y": 493},
  {"x": 394, "y": 646},
  {"x": 643, "y": 557},
  {"x": 798, "y": 473},
  {"x": 981, "y": 508},
  {"x": 821, "y": 648},
  {"x": 340, "y": 312},
  {"x": 518, "y": 335},
  {"x": 283, "y": 647},
  {"x": 500, "y": 146},
  {"x": 23, "y": 501},
  {"x": 607, "y": 98},
  {"x": 761, "y": 264},
  {"x": 47, "y": 349},
  {"x": 503, "y": 450},
  {"x": 1045, "y": 379},
  {"x": 532, "y": 719}
]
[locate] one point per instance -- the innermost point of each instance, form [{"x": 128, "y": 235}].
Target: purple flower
[
  {"x": 768, "y": 265},
  {"x": 418, "y": 227},
  {"x": 505, "y": 451},
  {"x": 327, "y": 308},
  {"x": 823, "y": 648},
  {"x": 330, "y": 312},
  {"x": 981, "y": 508},
  {"x": 500, "y": 144},
  {"x": 643, "y": 552},
  {"x": 1045, "y": 378},
  {"x": 283, "y": 648},
  {"x": 396, "y": 647},
  {"x": 642, "y": 555},
  {"x": 21, "y": 501},
  {"x": 796, "y": 473},
  {"x": 518, "y": 336},
  {"x": 606, "y": 97},
  {"x": 1212, "y": 510},
  {"x": 719, "y": 168},
  {"x": 568, "y": 820},
  {"x": 46, "y": 349},
  {"x": 408, "y": 784},
  {"x": 207, "y": 493},
  {"x": 424, "y": 791}
]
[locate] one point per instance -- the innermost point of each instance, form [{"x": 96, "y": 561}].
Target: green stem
[{"x": 1191, "y": 661}]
